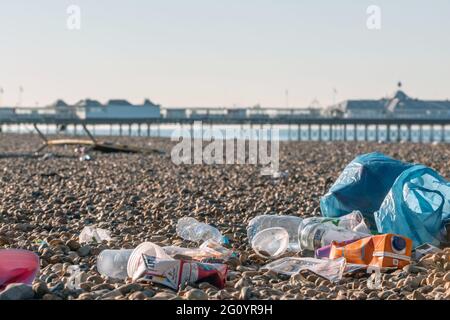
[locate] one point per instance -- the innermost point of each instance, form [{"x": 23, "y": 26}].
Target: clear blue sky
[{"x": 221, "y": 53}]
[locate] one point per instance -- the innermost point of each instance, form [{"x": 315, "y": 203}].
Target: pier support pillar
[
  {"x": 320, "y": 132},
  {"x": 399, "y": 131},
  {"x": 388, "y": 133},
  {"x": 420, "y": 133},
  {"x": 309, "y": 132},
  {"x": 355, "y": 132},
  {"x": 409, "y": 135},
  {"x": 330, "y": 133},
  {"x": 345, "y": 132},
  {"x": 432, "y": 133},
  {"x": 377, "y": 133},
  {"x": 120, "y": 129}
]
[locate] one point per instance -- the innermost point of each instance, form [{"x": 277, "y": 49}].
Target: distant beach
[{"x": 140, "y": 198}]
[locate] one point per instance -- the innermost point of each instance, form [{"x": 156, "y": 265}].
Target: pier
[{"x": 299, "y": 128}]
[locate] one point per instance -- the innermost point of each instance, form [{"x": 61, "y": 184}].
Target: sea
[{"x": 284, "y": 132}]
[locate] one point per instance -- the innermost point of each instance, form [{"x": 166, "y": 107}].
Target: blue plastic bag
[
  {"x": 417, "y": 207},
  {"x": 362, "y": 186}
]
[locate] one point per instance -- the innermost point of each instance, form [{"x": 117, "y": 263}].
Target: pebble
[
  {"x": 164, "y": 296},
  {"x": 245, "y": 294},
  {"x": 17, "y": 291},
  {"x": 196, "y": 294},
  {"x": 40, "y": 288},
  {"x": 137, "y": 296},
  {"x": 84, "y": 251},
  {"x": 416, "y": 295}
]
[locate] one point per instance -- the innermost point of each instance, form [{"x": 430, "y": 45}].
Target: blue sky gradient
[{"x": 223, "y": 53}]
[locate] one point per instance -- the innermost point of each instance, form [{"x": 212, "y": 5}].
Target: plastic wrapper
[
  {"x": 92, "y": 234},
  {"x": 209, "y": 250},
  {"x": 331, "y": 270},
  {"x": 423, "y": 250}
]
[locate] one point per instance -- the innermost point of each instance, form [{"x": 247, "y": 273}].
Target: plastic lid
[{"x": 271, "y": 242}]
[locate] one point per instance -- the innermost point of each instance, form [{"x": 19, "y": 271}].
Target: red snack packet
[{"x": 174, "y": 273}]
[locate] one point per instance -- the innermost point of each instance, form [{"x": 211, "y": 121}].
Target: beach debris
[
  {"x": 331, "y": 270},
  {"x": 209, "y": 250},
  {"x": 17, "y": 266},
  {"x": 192, "y": 230},
  {"x": 93, "y": 234},
  {"x": 417, "y": 206},
  {"x": 113, "y": 263},
  {"x": 271, "y": 242},
  {"x": 383, "y": 251},
  {"x": 362, "y": 186},
  {"x": 85, "y": 158},
  {"x": 258, "y": 224},
  {"x": 324, "y": 252},
  {"x": 93, "y": 144},
  {"x": 150, "y": 262},
  {"x": 176, "y": 273},
  {"x": 424, "y": 250},
  {"x": 74, "y": 280},
  {"x": 319, "y": 232}
]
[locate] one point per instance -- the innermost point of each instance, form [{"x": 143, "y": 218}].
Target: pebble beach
[{"x": 140, "y": 198}]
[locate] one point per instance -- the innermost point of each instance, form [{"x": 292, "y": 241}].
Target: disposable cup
[
  {"x": 147, "y": 248},
  {"x": 271, "y": 242}
]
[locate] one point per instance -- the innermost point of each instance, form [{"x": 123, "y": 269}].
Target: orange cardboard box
[{"x": 384, "y": 251}]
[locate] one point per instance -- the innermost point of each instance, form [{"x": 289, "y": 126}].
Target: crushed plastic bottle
[
  {"x": 318, "y": 232},
  {"x": 191, "y": 229},
  {"x": 92, "y": 234}
]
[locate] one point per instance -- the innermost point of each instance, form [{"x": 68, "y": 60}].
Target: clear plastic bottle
[
  {"x": 289, "y": 223},
  {"x": 317, "y": 232},
  {"x": 191, "y": 229},
  {"x": 113, "y": 263}
]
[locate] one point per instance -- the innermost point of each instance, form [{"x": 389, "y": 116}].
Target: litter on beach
[
  {"x": 17, "y": 266},
  {"x": 331, "y": 270},
  {"x": 90, "y": 234},
  {"x": 175, "y": 273}
]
